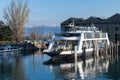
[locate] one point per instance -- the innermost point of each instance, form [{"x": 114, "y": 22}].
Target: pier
[{"x": 112, "y": 50}]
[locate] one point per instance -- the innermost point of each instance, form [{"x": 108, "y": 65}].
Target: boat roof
[{"x": 65, "y": 38}]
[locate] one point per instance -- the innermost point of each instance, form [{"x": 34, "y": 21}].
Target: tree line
[{"x": 38, "y": 35}]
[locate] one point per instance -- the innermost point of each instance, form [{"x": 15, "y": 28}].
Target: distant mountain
[{"x": 42, "y": 29}]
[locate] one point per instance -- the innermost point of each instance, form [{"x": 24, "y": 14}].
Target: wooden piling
[
  {"x": 106, "y": 49},
  {"x": 75, "y": 53},
  {"x": 97, "y": 49},
  {"x": 84, "y": 51},
  {"x": 75, "y": 59},
  {"x": 84, "y": 56},
  {"x": 112, "y": 48},
  {"x": 118, "y": 44},
  {"x": 94, "y": 49},
  {"x": 117, "y": 47},
  {"x": 109, "y": 48}
]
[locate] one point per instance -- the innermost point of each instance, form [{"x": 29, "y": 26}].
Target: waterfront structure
[
  {"x": 110, "y": 25},
  {"x": 77, "y": 40},
  {"x": 10, "y": 50}
]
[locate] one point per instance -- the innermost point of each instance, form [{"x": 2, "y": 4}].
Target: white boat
[
  {"x": 75, "y": 40},
  {"x": 8, "y": 50}
]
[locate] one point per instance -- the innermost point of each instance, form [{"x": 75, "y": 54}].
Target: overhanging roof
[{"x": 114, "y": 18}]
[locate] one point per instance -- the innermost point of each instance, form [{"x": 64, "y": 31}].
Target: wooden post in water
[
  {"x": 115, "y": 48},
  {"x": 106, "y": 49},
  {"x": 112, "y": 48},
  {"x": 97, "y": 49},
  {"x": 109, "y": 49},
  {"x": 84, "y": 56},
  {"x": 75, "y": 59},
  {"x": 84, "y": 51},
  {"x": 94, "y": 49},
  {"x": 117, "y": 45}
]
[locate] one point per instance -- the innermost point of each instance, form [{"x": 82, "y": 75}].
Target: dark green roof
[
  {"x": 93, "y": 20},
  {"x": 70, "y": 20},
  {"x": 114, "y": 18}
]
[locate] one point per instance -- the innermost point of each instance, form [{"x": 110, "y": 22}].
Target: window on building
[
  {"x": 116, "y": 29},
  {"x": 107, "y": 29}
]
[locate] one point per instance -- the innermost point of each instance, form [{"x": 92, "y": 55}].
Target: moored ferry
[{"x": 67, "y": 43}]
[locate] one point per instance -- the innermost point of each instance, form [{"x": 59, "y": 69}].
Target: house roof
[
  {"x": 114, "y": 18},
  {"x": 93, "y": 20},
  {"x": 70, "y": 20}
]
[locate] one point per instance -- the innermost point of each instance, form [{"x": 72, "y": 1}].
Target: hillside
[{"x": 42, "y": 29}]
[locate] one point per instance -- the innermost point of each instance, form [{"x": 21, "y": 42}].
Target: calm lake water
[{"x": 37, "y": 66}]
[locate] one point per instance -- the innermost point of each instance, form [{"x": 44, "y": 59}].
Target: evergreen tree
[{"x": 5, "y": 32}]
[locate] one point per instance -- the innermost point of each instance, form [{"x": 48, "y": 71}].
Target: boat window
[
  {"x": 68, "y": 34},
  {"x": 103, "y": 35},
  {"x": 88, "y": 35},
  {"x": 97, "y": 35},
  {"x": 94, "y": 35},
  {"x": 65, "y": 45}
]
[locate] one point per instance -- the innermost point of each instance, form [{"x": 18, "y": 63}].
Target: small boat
[
  {"x": 8, "y": 50},
  {"x": 67, "y": 43}
]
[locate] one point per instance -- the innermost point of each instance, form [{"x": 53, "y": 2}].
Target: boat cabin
[{"x": 64, "y": 43}]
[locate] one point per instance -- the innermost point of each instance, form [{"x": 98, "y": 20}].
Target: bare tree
[
  {"x": 16, "y": 15},
  {"x": 33, "y": 35}
]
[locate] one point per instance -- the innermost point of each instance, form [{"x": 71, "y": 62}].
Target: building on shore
[{"x": 111, "y": 25}]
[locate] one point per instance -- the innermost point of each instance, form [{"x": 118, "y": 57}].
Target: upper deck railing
[{"x": 79, "y": 28}]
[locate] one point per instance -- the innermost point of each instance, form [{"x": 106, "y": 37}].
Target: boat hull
[{"x": 69, "y": 56}]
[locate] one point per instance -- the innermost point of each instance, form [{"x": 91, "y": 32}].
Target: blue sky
[{"x": 53, "y": 12}]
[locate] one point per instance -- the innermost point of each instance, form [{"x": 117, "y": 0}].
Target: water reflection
[
  {"x": 90, "y": 69},
  {"x": 114, "y": 68},
  {"x": 11, "y": 68},
  {"x": 37, "y": 66}
]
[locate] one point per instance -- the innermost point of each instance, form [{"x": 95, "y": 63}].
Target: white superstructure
[{"x": 64, "y": 43}]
